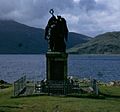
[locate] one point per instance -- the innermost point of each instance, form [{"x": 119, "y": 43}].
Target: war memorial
[
  {"x": 57, "y": 81},
  {"x": 56, "y": 33}
]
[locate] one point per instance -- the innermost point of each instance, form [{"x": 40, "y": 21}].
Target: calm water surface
[{"x": 105, "y": 68}]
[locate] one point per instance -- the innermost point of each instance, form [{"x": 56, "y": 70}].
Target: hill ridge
[
  {"x": 107, "y": 43},
  {"x": 17, "y": 38}
]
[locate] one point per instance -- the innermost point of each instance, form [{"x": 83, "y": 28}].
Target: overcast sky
[{"x": 89, "y": 17}]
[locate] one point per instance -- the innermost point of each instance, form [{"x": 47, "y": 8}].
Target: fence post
[
  {"x": 94, "y": 86},
  {"x": 19, "y": 86}
]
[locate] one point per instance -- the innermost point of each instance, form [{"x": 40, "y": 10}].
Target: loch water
[{"x": 104, "y": 68}]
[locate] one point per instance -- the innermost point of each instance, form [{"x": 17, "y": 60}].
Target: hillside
[
  {"x": 75, "y": 38},
  {"x": 21, "y": 39},
  {"x": 107, "y": 43}
]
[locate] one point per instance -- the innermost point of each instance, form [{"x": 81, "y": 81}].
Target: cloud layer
[{"x": 90, "y": 17}]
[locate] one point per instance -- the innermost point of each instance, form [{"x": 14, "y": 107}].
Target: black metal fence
[
  {"x": 19, "y": 86},
  {"x": 71, "y": 86}
]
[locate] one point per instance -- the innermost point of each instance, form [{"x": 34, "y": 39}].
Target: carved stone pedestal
[
  {"x": 56, "y": 72},
  {"x": 56, "y": 66}
]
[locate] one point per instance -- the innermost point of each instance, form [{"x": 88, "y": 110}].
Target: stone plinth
[{"x": 56, "y": 66}]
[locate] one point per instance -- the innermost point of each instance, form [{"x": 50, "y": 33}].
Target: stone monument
[{"x": 56, "y": 33}]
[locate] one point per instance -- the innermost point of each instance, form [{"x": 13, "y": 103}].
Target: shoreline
[
  {"x": 66, "y": 52},
  {"x": 80, "y": 80}
]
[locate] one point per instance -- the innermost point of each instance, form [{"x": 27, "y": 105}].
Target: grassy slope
[
  {"x": 52, "y": 103},
  {"x": 107, "y": 43}
]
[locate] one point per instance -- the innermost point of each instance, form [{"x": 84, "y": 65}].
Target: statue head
[{"x": 58, "y": 16}]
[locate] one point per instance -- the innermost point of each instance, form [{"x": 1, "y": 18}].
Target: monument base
[
  {"x": 56, "y": 72},
  {"x": 57, "y": 87},
  {"x": 56, "y": 66}
]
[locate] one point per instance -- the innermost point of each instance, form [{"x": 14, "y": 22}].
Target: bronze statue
[{"x": 56, "y": 32}]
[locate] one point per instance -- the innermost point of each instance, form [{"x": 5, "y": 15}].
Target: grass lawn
[
  {"x": 56, "y": 103},
  {"x": 110, "y": 90}
]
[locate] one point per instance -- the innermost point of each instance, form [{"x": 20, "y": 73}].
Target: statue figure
[
  {"x": 50, "y": 29},
  {"x": 56, "y": 32}
]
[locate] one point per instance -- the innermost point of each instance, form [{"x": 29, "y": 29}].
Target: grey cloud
[
  {"x": 32, "y": 8},
  {"x": 86, "y": 16},
  {"x": 87, "y": 4},
  {"x": 6, "y": 7}
]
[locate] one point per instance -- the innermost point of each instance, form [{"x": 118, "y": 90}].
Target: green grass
[
  {"x": 110, "y": 90},
  {"x": 54, "y": 103}
]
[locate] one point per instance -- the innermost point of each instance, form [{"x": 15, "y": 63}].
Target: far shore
[
  {"x": 95, "y": 54},
  {"x": 68, "y": 54}
]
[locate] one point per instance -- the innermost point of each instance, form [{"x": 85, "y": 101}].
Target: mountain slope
[
  {"x": 21, "y": 39},
  {"x": 75, "y": 38},
  {"x": 107, "y": 43}
]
